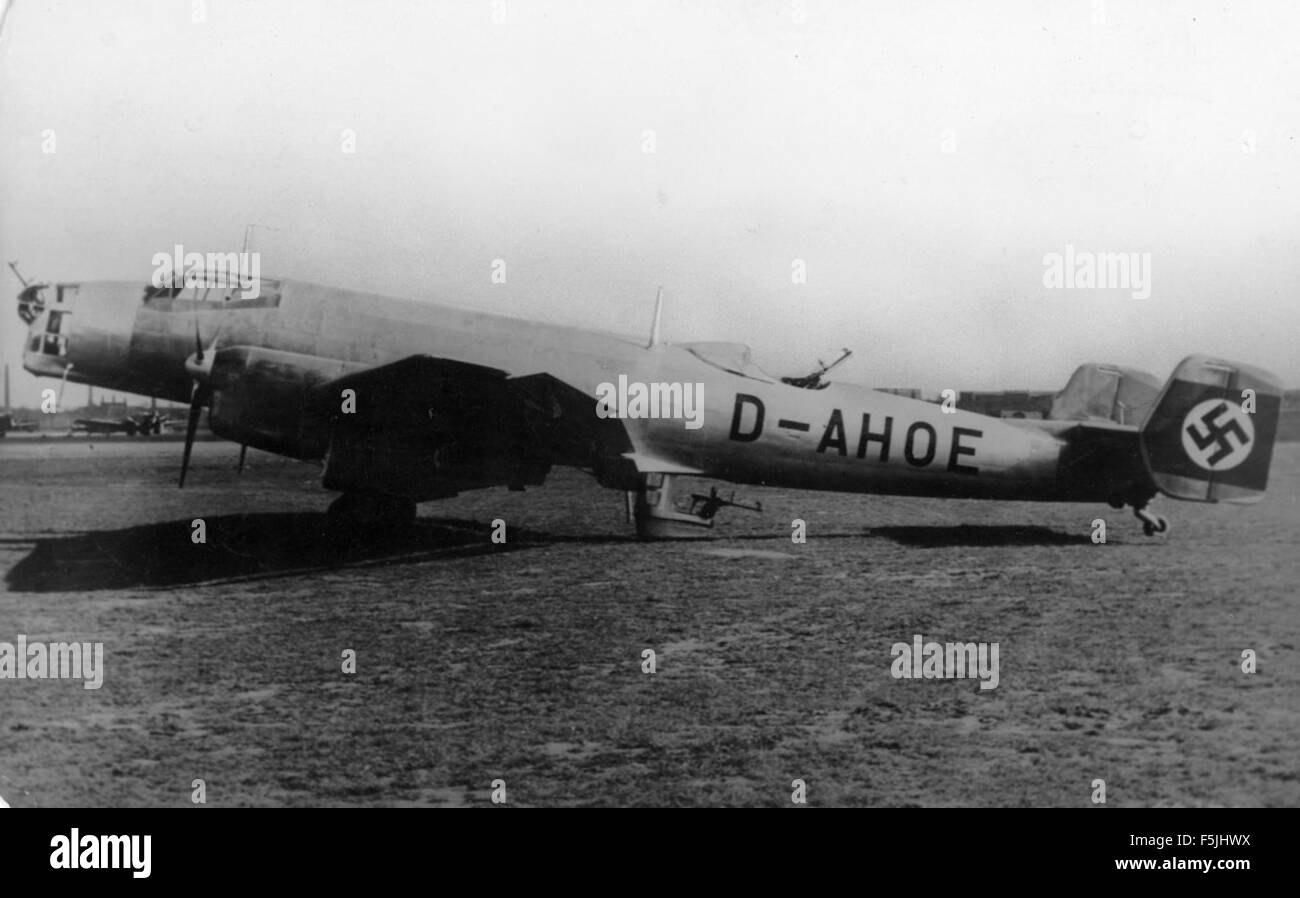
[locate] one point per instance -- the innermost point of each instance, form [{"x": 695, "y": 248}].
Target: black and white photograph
[{"x": 555, "y": 403}]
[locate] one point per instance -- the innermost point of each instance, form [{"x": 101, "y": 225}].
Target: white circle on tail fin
[{"x": 1218, "y": 435}]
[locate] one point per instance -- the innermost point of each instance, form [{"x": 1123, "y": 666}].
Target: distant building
[
  {"x": 1007, "y": 403},
  {"x": 1288, "y": 428}
]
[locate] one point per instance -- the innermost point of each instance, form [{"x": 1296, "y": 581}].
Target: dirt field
[{"x": 523, "y": 661}]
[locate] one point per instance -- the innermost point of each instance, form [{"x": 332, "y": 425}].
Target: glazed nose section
[
  {"x": 46, "y": 350},
  {"x": 81, "y": 329}
]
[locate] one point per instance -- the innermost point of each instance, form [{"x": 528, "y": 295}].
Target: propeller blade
[
  {"x": 198, "y": 343},
  {"x": 197, "y": 401},
  {"x": 243, "y": 450}
]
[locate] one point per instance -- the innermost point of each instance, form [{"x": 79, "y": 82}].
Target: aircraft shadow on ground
[
  {"x": 251, "y": 546},
  {"x": 969, "y": 535},
  {"x": 262, "y": 546}
]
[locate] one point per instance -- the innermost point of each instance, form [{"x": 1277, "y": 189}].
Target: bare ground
[{"x": 523, "y": 661}]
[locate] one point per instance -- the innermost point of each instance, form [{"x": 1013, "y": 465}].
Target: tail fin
[{"x": 1210, "y": 436}]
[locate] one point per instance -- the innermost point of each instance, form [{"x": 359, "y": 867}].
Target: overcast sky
[{"x": 921, "y": 159}]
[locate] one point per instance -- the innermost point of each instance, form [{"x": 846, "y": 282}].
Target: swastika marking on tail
[{"x": 1217, "y": 435}]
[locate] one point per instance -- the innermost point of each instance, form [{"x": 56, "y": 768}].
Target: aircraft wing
[
  {"x": 414, "y": 391},
  {"x": 421, "y": 428}
]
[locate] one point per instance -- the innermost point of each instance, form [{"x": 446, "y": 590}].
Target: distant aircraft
[
  {"x": 403, "y": 402},
  {"x": 7, "y": 424},
  {"x": 130, "y": 425}
]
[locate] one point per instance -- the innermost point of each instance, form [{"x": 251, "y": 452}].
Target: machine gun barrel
[
  {"x": 814, "y": 381},
  {"x": 707, "y": 506},
  {"x": 13, "y": 266}
]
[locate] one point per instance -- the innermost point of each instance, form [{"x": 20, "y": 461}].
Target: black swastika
[{"x": 1217, "y": 433}]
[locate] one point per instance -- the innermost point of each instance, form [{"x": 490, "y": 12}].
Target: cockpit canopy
[
  {"x": 205, "y": 294},
  {"x": 735, "y": 358},
  {"x": 46, "y": 320},
  {"x": 730, "y": 357}
]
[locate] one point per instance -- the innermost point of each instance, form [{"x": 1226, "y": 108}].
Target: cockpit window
[{"x": 53, "y": 341}]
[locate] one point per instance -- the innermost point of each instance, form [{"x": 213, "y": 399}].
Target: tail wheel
[{"x": 1160, "y": 525}]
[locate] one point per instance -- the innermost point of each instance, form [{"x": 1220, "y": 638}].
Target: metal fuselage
[{"x": 844, "y": 438}]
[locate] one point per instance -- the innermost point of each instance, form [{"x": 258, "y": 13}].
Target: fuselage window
[{"x": 55, "y": 342}]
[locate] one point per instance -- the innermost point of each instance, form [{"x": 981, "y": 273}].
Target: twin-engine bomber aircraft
[{"x": 402, "y": 402}]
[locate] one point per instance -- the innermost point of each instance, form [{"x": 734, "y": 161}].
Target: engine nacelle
[{"x": 259, "y": 398}]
